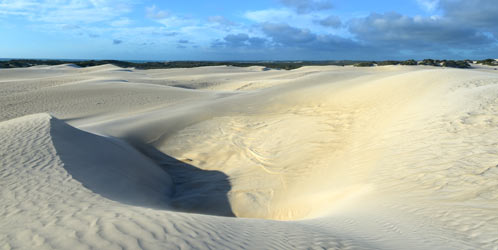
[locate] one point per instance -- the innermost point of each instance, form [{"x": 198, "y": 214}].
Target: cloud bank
[{"x": 286, "y": 29}]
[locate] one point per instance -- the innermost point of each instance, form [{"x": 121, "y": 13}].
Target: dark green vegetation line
[
  {"x": 287, "y": 65},
  {"x": 430, "y": 62}
]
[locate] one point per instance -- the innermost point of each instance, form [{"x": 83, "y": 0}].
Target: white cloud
[
  {"x": 198, "y": 30},
  {"x": 428, "y": 5},
  {"x": 320, "y": 23},
  {"x": 66, "y": 11},
  {"x": 154, "y": 13},
  {"x": 330, "y": 21},
  {"x": 269, "y": 15},
  {"x": 221, "y": 20},
  {"x": 170, "y": 20},
  {"x": 307, "y": 6},
  {"x": 14, "y": 7}
]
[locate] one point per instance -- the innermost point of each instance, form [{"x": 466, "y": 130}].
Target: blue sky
[{"x": 248, "y": 30}]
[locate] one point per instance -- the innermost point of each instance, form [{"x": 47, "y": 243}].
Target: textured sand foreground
[{"x": 396, "y": 157}]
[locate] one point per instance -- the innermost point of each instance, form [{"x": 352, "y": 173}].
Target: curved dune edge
[
  {"x": 398, "y": 158},
  {"x": 74, "y": 189},
  {"x": 105, "y": 166}
]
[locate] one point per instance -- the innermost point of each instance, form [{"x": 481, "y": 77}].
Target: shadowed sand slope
[
  {"x": 194, "y": 190},
  {"x": 105, "y": 166},
  {"x": 64, "y": 188},
  {"x": 318, "y": 157},
  {"x": 112, "y": 169}
]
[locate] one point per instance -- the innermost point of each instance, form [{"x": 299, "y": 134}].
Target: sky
[{"x": 249, "y": 30}]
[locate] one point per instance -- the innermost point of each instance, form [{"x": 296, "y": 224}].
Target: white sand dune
[{"x": 243, "y": 158}]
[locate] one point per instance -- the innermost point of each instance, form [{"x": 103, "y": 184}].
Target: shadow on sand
[
  {"x": 194, "y": 190},
  {"x": 117, "y": 171}
]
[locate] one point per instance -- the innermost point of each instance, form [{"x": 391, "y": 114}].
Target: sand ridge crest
[{"x": 348, "y": 158}]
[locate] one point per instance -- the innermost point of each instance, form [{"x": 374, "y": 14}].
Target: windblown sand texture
[{"x": 395, "y": 157}]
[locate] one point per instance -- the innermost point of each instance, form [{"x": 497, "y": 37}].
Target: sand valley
[{"x": 320, "y": 157}]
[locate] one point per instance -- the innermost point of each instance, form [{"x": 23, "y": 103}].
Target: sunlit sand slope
[{"x": 221, "y": 157}]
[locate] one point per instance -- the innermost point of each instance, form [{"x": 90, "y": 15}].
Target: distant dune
[{"x": 320, "y": 157}]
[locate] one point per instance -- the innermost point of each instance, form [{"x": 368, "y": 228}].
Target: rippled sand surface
[{"x": 395, "y": 157}]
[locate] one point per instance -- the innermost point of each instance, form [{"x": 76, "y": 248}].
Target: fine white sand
[{"x": 394, "y": 157}]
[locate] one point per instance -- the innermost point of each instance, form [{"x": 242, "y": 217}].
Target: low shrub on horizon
[
  {"x": 429, "y": 62},
  {"x": 409, "y": 62},
  {"x": 455, "y": 64},
  {"x": 284, "y": 65},
  {"x": 364, "y": 64},
  {"x": 389, "y": 62},
  {"x": 22, "y": 63},
  {"x": 489, "y": 62}
]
